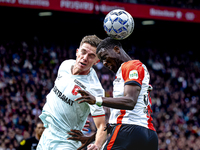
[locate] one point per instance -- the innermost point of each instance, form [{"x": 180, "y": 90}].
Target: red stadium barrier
[{"x": 89, "y": 6}]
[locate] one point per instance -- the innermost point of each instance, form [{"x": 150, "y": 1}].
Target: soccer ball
[{"x": 118, "y": 24}]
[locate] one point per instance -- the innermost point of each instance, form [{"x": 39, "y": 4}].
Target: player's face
[
  {"x": 109, "y": 59},
  {"x": 39, "y": 129},
  {"x": 85, "y": 58}
]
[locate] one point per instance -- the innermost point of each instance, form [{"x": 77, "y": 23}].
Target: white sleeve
[
  {"x": 65, "y": 66},
  {"x": 95, "y": 110},
  {"x": 96, "y": 89}
]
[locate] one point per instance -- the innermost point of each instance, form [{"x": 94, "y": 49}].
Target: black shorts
[{"x": 131, "y": 137}]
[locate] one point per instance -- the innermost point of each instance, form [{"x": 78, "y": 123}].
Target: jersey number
[{"x": 147, "y": 110}]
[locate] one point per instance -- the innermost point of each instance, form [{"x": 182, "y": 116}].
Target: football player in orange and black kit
[{"x": 130, "y": 106}]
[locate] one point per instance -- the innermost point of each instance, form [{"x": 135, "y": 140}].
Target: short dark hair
[
  {"x": 108, "y": 43},
  {"x": 93, "y": 40},
  {"x": 38, "y": 121}
]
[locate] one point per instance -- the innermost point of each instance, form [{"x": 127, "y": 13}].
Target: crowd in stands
[
  {"x": 190, "y": 4},
  {"x": 28, "y": 70}
]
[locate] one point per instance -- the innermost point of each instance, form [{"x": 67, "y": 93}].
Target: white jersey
[
  {"x": 60, "y": 109},
  {"x": 135, "y": 73}
]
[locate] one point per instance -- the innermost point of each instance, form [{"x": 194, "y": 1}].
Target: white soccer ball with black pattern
[{"x": 118, "y": 24}]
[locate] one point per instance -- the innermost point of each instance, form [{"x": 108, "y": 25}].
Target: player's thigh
[
  {"x": 117, "y": 140},
  {"x": 153, "y": 141},
  {"x": 131, "y": 137},
  {"x": 143, "y": 139}
]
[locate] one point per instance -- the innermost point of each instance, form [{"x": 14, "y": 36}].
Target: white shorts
[{"x": 54, "y": 140}]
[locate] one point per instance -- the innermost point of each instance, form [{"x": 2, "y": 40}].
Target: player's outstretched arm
[{"x": 128, "y": 101}]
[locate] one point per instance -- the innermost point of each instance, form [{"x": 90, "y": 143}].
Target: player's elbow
[{"x": 130, "y": 105}]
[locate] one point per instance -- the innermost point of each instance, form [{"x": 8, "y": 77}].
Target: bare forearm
[
  {"x": 100, "y": 136},
  {"x": 127, "y": 102},
  {"x": 119, "y": 103}
]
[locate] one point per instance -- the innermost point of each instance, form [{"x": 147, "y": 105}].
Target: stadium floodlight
[
  {"x": 42, "y": 14},
  {"x": 148, "y": 22}
]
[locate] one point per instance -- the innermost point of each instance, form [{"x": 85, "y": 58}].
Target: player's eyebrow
[
  {"x": 84, "y": 50},
  {"x": 92, "y": 54}
]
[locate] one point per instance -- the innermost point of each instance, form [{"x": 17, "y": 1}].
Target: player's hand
[
  {"x": 78, "y": 135},
  {"x": 92, "y": 147},
  {"x": 86, "y": 97}
]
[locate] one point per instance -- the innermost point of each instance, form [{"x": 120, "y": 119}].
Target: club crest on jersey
[
  {"x": 133, "y": 74},
  {"x": 74, "y": 91}
]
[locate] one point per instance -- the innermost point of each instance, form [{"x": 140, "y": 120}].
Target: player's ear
[
  {"x": 117, "y": 50},
  {"x": 76, "y": 51}
]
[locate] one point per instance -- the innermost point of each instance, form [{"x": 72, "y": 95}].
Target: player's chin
[{"x": 114, "y": 69}]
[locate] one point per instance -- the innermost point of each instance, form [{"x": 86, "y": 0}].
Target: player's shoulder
[
  {"x": 132, "y": 69},
  {"x": 93, "y": 76},
  {"x": 94, "y": 84},
  {"x": 131, "y": 64},
  {"x": 92, "y": 72},
  {"x": 68, "y": 62}
]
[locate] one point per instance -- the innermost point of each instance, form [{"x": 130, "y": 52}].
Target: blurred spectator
[{"x": 31, "y": 143}]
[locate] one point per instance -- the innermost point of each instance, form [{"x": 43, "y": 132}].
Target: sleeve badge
[{"x": 133, "y": 74}]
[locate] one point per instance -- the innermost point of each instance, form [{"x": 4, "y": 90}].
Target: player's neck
[
  {"x": 37, "y": 137},
  {"x": 123, "y": 59},
  {"x": 77, "y": 71},
  {"x": 126, "y": 57}
]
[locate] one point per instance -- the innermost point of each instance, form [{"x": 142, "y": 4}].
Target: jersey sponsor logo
[
  {"x": 80, "y": 84},
  {"x": 133, "y": 74},
  {"x": 62, "y": 96},
  {"x": 74, "y": 91}
]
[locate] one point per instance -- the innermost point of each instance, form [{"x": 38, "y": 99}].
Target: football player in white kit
[
  {"x": 130, "y": 113},
  {"x": 61, "y": 113}
]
